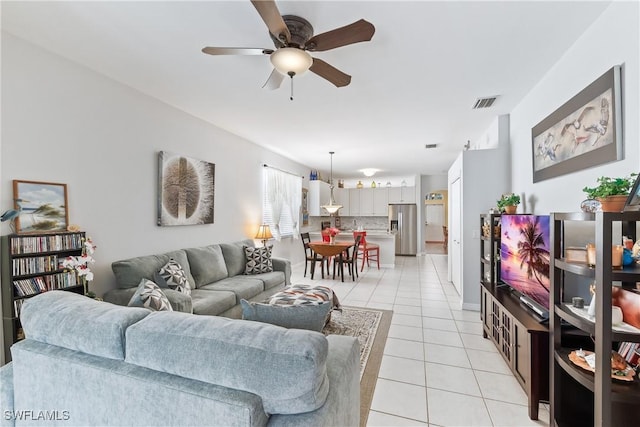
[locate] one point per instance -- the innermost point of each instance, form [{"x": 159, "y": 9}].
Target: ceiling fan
[{"x": 293, "y": 39}]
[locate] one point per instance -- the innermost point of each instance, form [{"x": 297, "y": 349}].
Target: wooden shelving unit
[
  {"x": 490, "y": 250},
  {"x": 580, "y": 397},
  {"x": 31, "y": 264}
]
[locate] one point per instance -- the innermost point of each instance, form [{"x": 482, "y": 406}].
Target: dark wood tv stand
[
  {"x": 521, "y": 339},
  {"x": 517, "y": 332}
]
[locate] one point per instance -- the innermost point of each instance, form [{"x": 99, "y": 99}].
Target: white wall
[
  {"x": 612, "y": 39},
  {"x": 67, "y": 124},
  {"x": 484, "y": 176}
]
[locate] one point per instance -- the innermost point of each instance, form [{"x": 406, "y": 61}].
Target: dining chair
[
  {"x": 369, "y": 251},
  {"x": 312, "y": 257},
  {"x": 350, "y": 258}
]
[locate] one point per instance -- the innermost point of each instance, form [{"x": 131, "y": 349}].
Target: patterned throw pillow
[
  {"x": 149, "y": 295},
  {"x": 174, "y": 277},
  {"x": 258, "y": 260}
]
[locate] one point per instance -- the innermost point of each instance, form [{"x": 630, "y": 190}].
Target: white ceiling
[{"x": 413, "y": 84}]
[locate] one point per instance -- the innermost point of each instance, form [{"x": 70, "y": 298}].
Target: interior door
[
  {"x": 434, "y": 220},
  {"x": 455, "y": 229}
]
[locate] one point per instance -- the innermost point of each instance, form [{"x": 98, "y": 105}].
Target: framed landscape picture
[
  {"x": 185, "y": 190},
  {"x": 584, "y": 132},
  {"x": 42, "y": 206}
]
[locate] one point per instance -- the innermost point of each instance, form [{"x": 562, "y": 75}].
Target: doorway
[{"x": 434, "y": 229}]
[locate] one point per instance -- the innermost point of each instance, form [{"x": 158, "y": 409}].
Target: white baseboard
[{"x": 470, "y": 307}]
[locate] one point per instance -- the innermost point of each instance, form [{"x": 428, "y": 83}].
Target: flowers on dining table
[{"x": 331, "y": 231}]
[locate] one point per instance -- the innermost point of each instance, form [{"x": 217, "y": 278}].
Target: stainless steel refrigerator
[{"x": 403, "y": 221}]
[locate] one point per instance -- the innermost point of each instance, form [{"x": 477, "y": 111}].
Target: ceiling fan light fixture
[{"x": 291, "y": 60}]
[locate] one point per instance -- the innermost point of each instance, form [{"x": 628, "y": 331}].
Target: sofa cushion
[
  {"x": 311, "y": 317},
  {"x": 149, "y": 295},
  {"x": 258, "y": 260},
  {"x": 173, "y": 276},
  {"x": 211, "y": 302},
  {"x": 207, "y": 264},
  {"x": 285, "y": 367},
  {"x": 234, "y": 256},
  {"x": 129, "y": 272},
  {"x": 245, "y": 287},
  {"x": 270, "y": 280},
  {"x": 73, "y": 321}
]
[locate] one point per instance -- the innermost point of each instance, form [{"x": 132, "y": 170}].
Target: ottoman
[
  {"x": 306, "y": 295},
  {"x": 297, "y": 306}
]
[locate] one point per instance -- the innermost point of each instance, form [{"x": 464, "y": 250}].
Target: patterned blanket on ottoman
[{"x": 305, "y": 295}]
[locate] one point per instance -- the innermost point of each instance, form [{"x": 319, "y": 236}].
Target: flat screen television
[{"x": 524, "y": 259}]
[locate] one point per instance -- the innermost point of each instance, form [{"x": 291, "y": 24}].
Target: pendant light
[{"x": 332, "y": 207}]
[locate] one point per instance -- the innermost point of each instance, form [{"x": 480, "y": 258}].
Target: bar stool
[{"x": 368, "y": 251}]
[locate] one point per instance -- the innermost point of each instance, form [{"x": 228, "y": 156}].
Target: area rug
[{"x": 371, "y": 327}]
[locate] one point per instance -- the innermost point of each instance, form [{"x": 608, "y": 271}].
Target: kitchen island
[{"x": 386, "y": 241}]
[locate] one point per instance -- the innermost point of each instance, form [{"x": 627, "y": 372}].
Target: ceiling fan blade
[
  {"x": 236, "y": 51},
  {"x": 274, "y": 81},
  {"x": 330, "y": 73},
  {"x": 359, "y": 31},
  {"x": 271, "y": 16}
]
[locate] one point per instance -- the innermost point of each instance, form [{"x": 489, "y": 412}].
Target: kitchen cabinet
[
  {"x": 342, "y": 198},
  {"x": 366, "y": 201},
  {"x": 319, "y": 193},
  {"x": 354, "y": 201},
  {"x": 380, "y": 202},
  {"x": 402, "y": 194}
]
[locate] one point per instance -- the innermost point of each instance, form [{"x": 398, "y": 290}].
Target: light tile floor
[{"x": 437, "y": 370}]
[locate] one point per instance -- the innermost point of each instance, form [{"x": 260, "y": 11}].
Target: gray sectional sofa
[
  {"x": 90, "y": 363},
  {"x": 216, "y": 275}
]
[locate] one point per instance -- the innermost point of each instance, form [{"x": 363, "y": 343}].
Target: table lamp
[{"x": 264, "y": 234}]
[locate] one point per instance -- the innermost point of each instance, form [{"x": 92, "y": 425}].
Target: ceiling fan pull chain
[{"x": 291, "y": 74}]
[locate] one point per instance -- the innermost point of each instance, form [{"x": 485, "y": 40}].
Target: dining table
[{"x": 327, "y": 249}]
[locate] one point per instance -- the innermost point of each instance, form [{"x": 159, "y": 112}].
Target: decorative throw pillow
[
  {"x": 311, "y": 317},
  {"x": 149, "y": 295},
  {"x": 173, "y": 275},
  {"x": 258, "y": 260}
]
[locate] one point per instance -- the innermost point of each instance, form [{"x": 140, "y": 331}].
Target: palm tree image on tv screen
[{"x": 524, "y": 253}]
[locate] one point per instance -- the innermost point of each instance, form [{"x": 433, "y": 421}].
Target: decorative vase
[
  {"x": 591, "y": 311},
  {"x": 613, "y": 203},
  {"x": 332, "y": 240},
  {"x": 511, "y": 209}
]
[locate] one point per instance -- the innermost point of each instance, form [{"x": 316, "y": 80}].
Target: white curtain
[{"x": 282, "y": 203}]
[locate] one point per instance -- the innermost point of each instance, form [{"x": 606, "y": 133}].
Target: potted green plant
[
  {"x": 612, "y": 193},
  {"x": 508, "y": 203}
]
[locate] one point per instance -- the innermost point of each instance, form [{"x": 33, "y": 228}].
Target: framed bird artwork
[{"x": 585, "y": 131}]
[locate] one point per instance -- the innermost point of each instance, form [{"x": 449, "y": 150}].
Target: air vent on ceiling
[
  {"x": 484, "y": 102},
  {"x": 430, "y": 145}
]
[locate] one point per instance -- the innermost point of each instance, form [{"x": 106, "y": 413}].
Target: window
[{"x": 281, "y": 202}]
